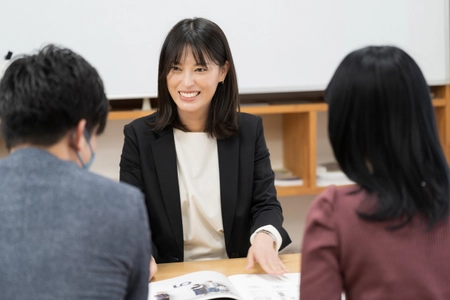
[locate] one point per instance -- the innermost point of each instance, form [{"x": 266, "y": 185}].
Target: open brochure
[{"x": 214, "y": 285}]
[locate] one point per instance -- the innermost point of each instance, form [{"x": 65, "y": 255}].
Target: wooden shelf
[
  {"x": 128, "y": 115},
  {"x": 300, "y": 134},
  {"x": 284, "y": 108},
  {"x": 291, "y": 190},
  {"x": 256, "y": 110},
  {"x": 439, "y": 102},
  {"x": 297, "y": 190}
]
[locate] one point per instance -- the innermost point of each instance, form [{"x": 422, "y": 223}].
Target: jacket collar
[
  {"x": 165, "y": 159},
  {"x": 229, "y": 175}
]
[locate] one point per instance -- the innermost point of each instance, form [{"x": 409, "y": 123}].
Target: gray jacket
[{"x": 66, "y": 233}]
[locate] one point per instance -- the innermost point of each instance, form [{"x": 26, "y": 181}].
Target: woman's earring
[{"x": 223, "y": 81}]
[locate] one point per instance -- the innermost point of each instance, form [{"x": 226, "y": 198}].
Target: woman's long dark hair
[
  {"x": 207, "y": 42},
  {"x": 383, "y": 133}
]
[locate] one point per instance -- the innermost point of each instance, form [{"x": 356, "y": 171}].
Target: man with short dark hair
[{"x": 65, "y": 233}]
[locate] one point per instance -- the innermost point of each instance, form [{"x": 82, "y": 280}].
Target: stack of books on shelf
[
  {"x": 284, "y": 177},
  {"x": 330, "y": 173}
]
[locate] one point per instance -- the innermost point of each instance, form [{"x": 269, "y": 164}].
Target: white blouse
[
  {"x": 198, "y": 177},
  {"x": 199, "y": 182}
]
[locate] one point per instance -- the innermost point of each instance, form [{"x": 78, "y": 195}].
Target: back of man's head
[{"x": 44, "y": 96}]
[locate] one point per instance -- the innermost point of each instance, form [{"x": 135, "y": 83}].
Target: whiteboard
[{"x": 278, "y": 46}]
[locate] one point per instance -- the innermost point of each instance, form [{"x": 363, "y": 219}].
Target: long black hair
[
  {"x": 384, "y": 136},
  {"x": 207, "y": 42}
]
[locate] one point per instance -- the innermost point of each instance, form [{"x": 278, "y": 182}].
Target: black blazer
[{"x": 248, "y": 195}]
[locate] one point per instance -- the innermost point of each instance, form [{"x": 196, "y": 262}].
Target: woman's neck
[{"x": 194, "y": 123}]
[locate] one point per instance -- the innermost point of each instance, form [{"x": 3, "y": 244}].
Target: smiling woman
[
  {"x": 196, "y": 60},
  {"x": 203, "y": 166},
  {"x": 192, "y": 86}
]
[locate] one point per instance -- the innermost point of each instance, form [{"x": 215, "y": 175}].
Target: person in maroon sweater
[{"x": 387, "y": 236}]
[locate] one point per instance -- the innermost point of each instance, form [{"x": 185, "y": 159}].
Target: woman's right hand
[{"x": 153, "y": 268}]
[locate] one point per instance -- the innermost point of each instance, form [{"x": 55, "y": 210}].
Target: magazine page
[
  {"x": 267, "y": 287},
  {"x": 198, "y": 285}
]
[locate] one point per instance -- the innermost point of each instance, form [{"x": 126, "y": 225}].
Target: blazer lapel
[
  {"x": 228, "y": 151},
  {"x": 166, "y": 168}
]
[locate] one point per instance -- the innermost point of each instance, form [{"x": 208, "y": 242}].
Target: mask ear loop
[{"x": 91, "y": 160}]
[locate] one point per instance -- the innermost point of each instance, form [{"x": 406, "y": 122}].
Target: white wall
[{"x": 278, "y": 46}]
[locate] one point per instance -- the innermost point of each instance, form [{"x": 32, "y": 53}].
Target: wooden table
[{"x": 225, "y": 266}]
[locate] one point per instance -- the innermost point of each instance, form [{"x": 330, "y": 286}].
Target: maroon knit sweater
[{"x": 342, "y": 252}]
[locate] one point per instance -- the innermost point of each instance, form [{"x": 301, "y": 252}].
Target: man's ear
[{"x": 77, "y": 136}]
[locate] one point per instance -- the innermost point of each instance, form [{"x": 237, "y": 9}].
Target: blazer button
[{"x": 234, "y": 255}]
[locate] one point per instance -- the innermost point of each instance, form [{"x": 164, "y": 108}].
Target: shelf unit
[{"x": 300, "y": 134}]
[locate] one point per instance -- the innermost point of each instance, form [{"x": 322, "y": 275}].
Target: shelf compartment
[{"x": 255, "y": 110}]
